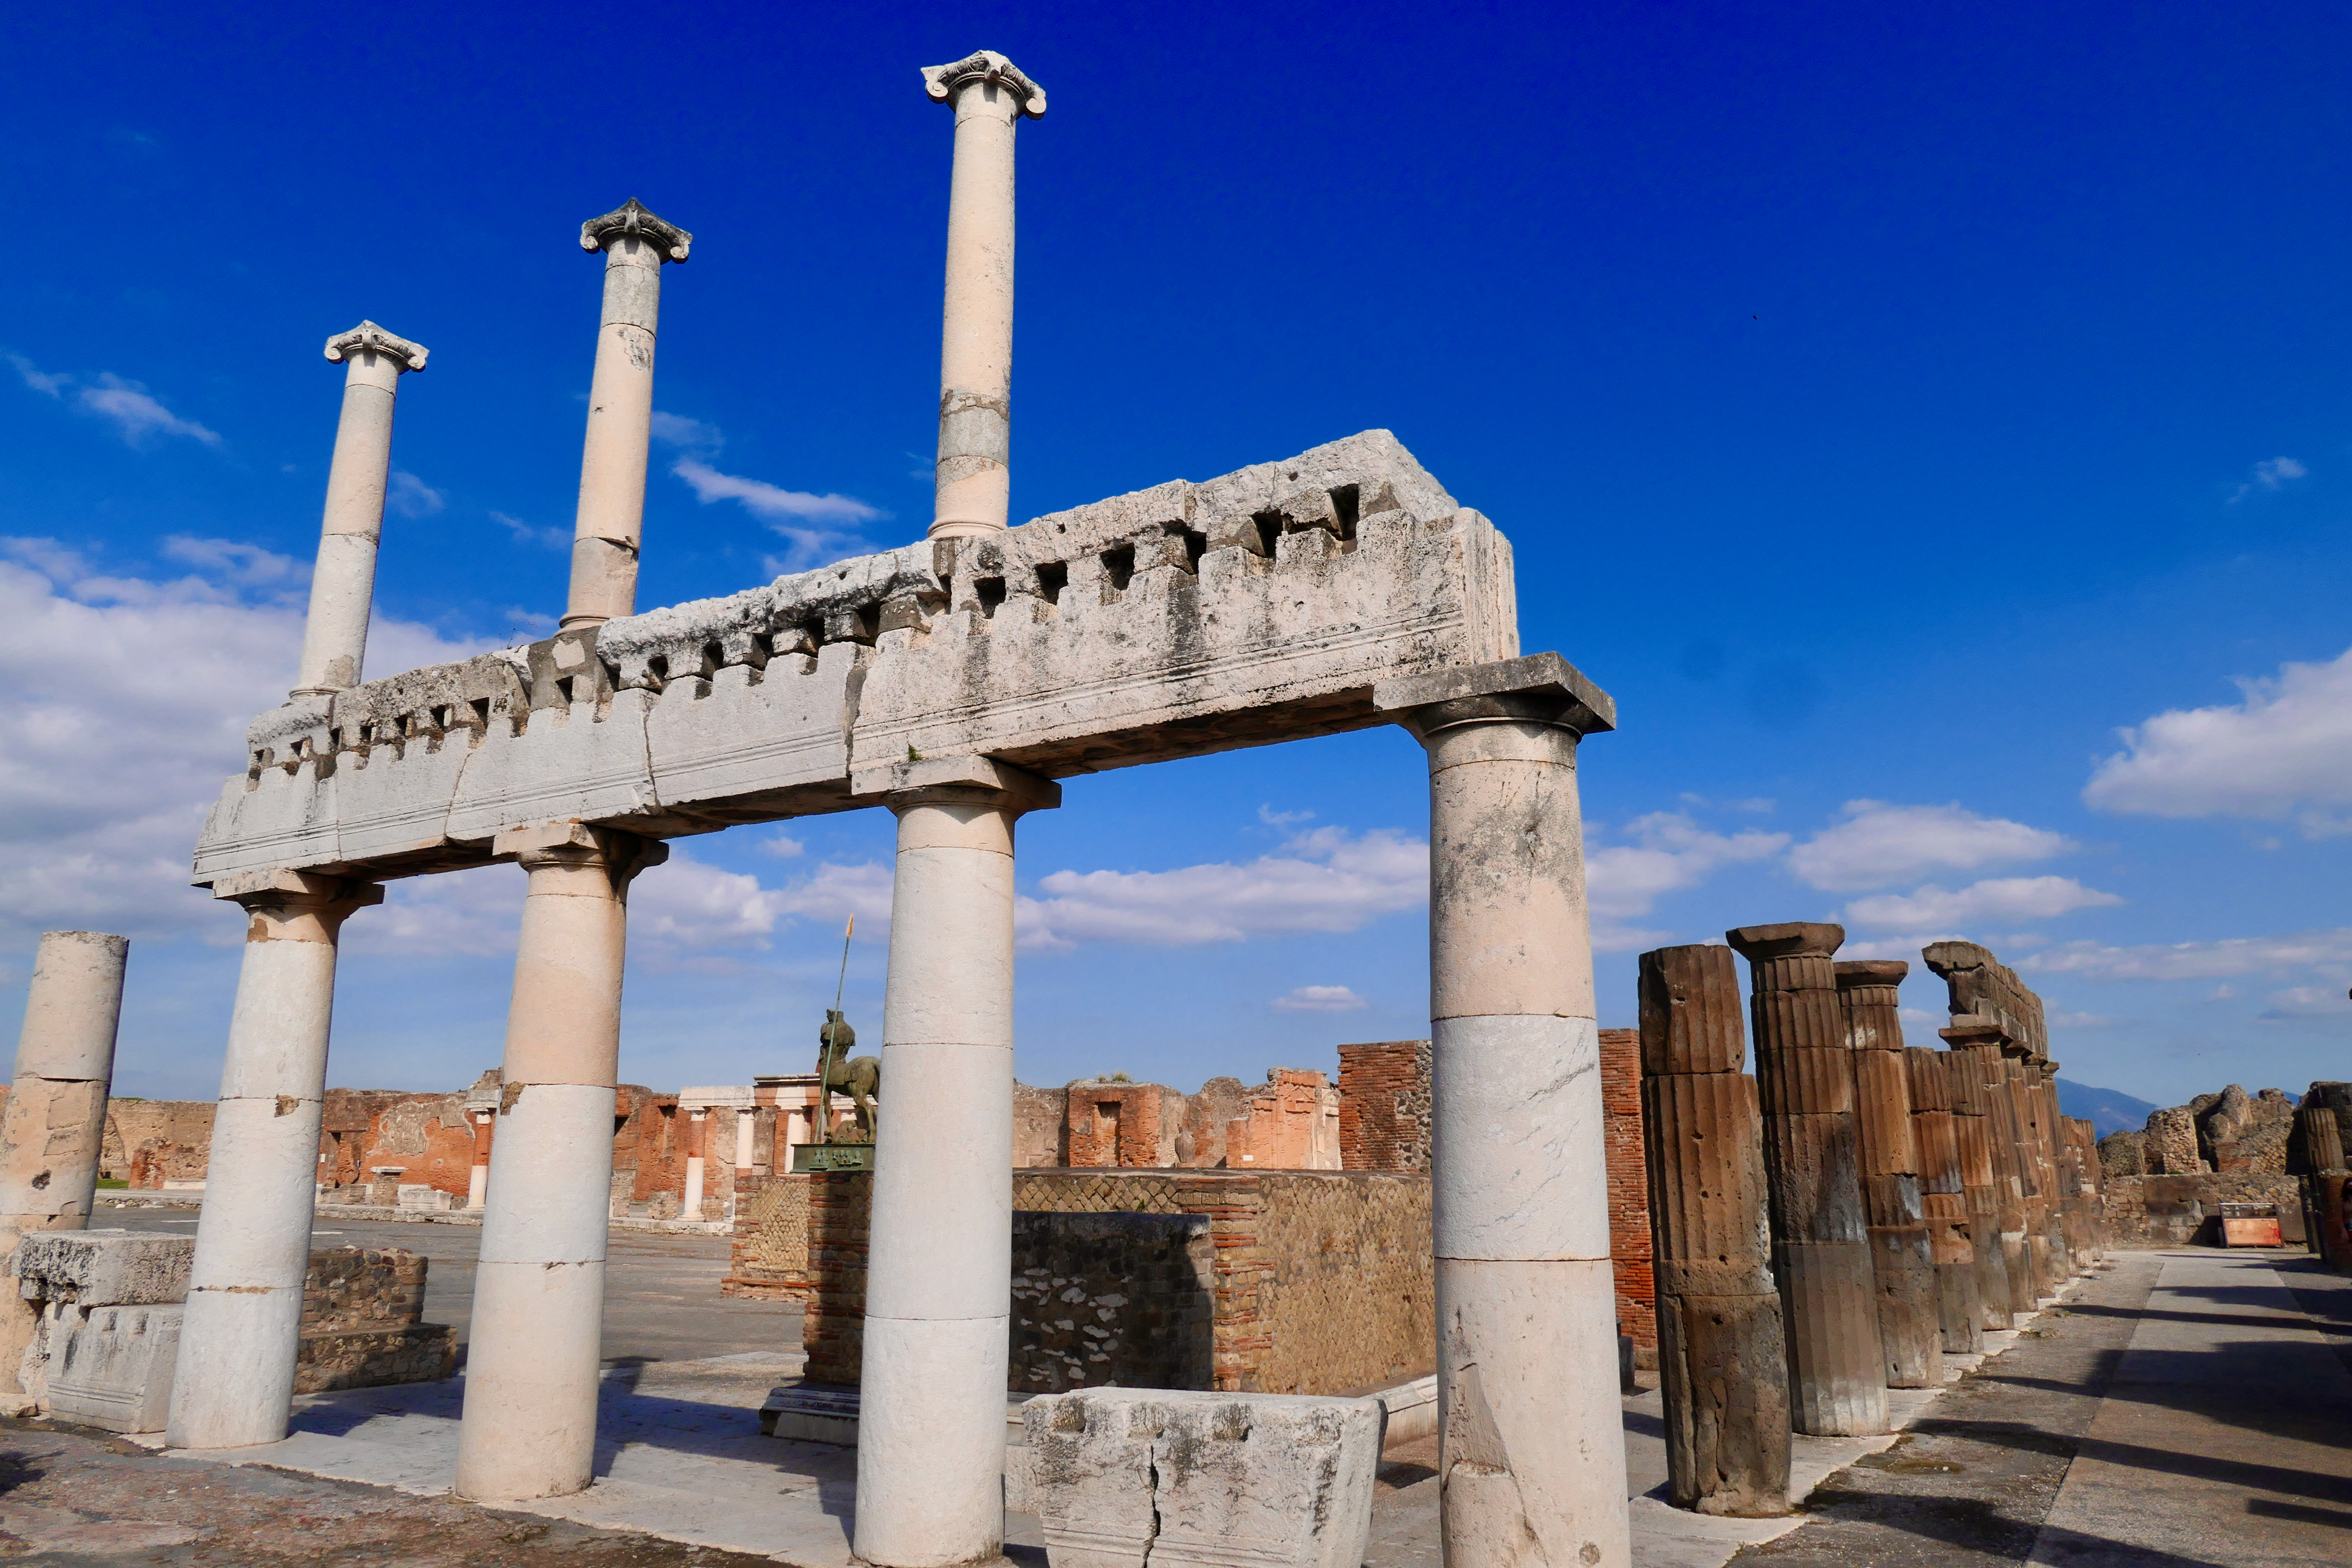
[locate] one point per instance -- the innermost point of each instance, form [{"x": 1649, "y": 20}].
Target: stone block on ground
[
  {"x": 1120, "y": 1477},
  {"x": 114, "y": 1371},
  {"x": 103, "y": 1268},
  {"x": 373, "y": 1358}
]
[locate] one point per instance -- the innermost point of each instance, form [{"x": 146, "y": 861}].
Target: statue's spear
[{"x": 824, "y": 1073}]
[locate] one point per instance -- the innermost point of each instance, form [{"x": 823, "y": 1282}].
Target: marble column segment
[
  {"x": 529, "y": 1427},
  {"x": 1943, "y": 1201},
  {"x": 240, "y": 1333},
  {"x": 342, "y": 584},
  {"x": 1973, "y": 1129},
  {"x": 1722, "y": 1351},
  {"x": 1530, "y": 1447},
  {"x": 1902, "y": 1257},
  {"x": 53, "y": 1127},
  {"x": 939, "y": 1281},
  {"x": 478, "y": 1180},
  {"x": 1812, "y": 1159},
  {"x": 610, "y": 526},
  {"x": 973, "y": 480}
]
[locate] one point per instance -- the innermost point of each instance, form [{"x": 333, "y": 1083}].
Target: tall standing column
[
  {"x": 241, "y": 1332},
  {"x": 692, "y": 1208},
  {"x": 1902, "y": 1259},
  {"x": 1530, "y": 1457},
  {"x": 1812, "y": 1156},
  {"x": 2032, "y": 1187},
  {"x": 478, "y": 1180},
  {"x": 1973, "y": 1126},
  {"x": 1978, "y": 1047},
  {"x": 532, "y": 1366},
  {"x": 1722, "y": 1352},
  {"x": 939, "y": 1280},
  {"x": 973, "y": 482},
  {"x": 53, "y": 1128},
  {"x": 612, "y": 517},
  {"x": 342, "y": 587},
  {"x": 1943, "y": 1200}
]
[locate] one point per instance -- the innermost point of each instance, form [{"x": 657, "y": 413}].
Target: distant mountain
[{"x": 2107, "y": 1110}]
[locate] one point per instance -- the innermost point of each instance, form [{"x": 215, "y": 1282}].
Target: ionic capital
[
  {"x": 940, "y": 82},
  {"x": 631, "y": 218},
  {"x": 367, "y": 335}
]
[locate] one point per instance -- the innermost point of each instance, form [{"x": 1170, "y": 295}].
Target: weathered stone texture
[
  {"x": 2164, "y": 1210},
  {"x": 1101, "y": 1298},
  {"x": 1384, "y": 1106}
]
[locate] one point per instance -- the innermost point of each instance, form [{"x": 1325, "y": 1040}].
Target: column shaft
[
  {"x": 478, "y": 1180},
  {"x": 1979, "y": 1182},
  {"x": 930, "y": 1438},
  {"x": 1902, "y": 1256},
  {"x": 691, "y": 1207},
  {"x": 1943, "y": 1200},
  {"x": 240, "y": 1334},
  {"x": 1722, "y": 1349},
  {"x": 1821, "y": 1245},
  {"x": 529, "y": 1422},
  {"x": 342, "y": 585}
]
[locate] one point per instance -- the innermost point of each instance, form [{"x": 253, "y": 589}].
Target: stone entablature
[{"x": 1179, "y": 620}]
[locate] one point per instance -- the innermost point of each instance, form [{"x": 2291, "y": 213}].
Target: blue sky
[{"x": 1933, "y": 428}]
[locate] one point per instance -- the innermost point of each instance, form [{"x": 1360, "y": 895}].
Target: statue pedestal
[{"x": 832, "y": 1157}]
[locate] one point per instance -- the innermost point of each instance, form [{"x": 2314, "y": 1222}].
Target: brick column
[
  {"x": 1902, "y": 1260},
  {"x": 1943, "y": 1201},
  {"x": 1722, "y": 1350},
  {"x": 1821, "y": 1241},
  {"x": 1631, "y": 1246}
]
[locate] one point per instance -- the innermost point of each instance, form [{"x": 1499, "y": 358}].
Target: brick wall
[
  {"x": 1630, "y": 1251},
  {"x": 351, "y": 1288},
  {"x": 1384, "y": 1106},
  {"x": 1320, "y": 1282},
  {"x": 2144, "y": 1212}
]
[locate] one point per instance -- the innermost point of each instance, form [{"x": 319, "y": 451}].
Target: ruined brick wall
[
  {"x": 1114, "y": 1124},
  {"x": 1630, "y": 1254},
  {"x": 168, "y": 1129},
  {"x": 1111, "y": 1298},
  {"x": 1320, "y": 1282},
  {"x": 354, "y": 1287},
  {"x": 1384, "y": 1106},
  {"x": 1040, "y": 1126},
  {"x": 427, "y": 1135},
  {"x": 2167, "y": 1210},
  {"x": 2170, "y": 1144}
]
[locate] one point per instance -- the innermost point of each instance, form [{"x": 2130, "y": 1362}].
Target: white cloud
[
  {"x": 1669, "y": 852},
  {"x": 695, "y": 435},
  {"x": 527, "y": 533},
  {"x": 1325, "y": 880},
  {"x": 2285, "y": 752},
  {"x": 408, "y": 496},
  {"x": 1995, "y": 899},
  {"x": 233, "y": 564},
  {"x": 134, "y": 412},
  {"x": 2063, "y": 1019},
  {"x": 782, "y": 846},
  {"x": 1879, "y": 843},
  {"x": 1273, "y": 819},
  {"x": 1319, "y": 999},
  {"x": 2326, "y": 950},
  {"x": 835, "y": 892},
  {"x": 2270, "y": 474},
  {"x": 769, "y": 501},
  {"x": 2306, "y": 1002}
]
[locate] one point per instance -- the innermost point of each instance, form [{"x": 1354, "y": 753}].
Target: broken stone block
[
  {"x": 103, "y": 1268},
  {"x": 1120, "y": 1477},
  {"x": 115, "y": 1370}
]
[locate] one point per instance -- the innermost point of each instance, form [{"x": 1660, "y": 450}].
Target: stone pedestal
[
  {"x": 938, "y": 1284},
  {"x": 1530, "y": 1455},
  {"x": 241, "y": 1335},
  {"x": 1902, "y": 1257},
  {"x": 529, "y": 1423},
  {"x": 1943, "y": 1199},
  {"x": 1722, "y": 1348},
  {"x": 342, "y": 585},
  {"x": 1812, "y": 1158}
]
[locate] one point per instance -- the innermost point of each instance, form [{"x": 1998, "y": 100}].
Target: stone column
[
  {"x": 939, "y": 1281},
  {"x": 1821, "y": 1241},
  {"x": 692, "y": 1207},
  {"x": 1973, "y": 1126},
  {"x": 1530, "y": 1458},
  {"x": 1722, "y": 1352},
  {"x": 747, "y": 1127},
  {"x": 1902, "y": 1259},
  {"x": 1979, "y": 1048},
  {"x": 241, "y": 1332},
  {"x": 2032, "y": 1191},
  {"x": 53, "y": 1128},
  {"x": 342, "y": 585},
  {"x": 1943, "y": 1200},
  {"x": 974, "y": 483},
  {"x": 611, "y": 521},
  {"x": 478, "y": 1180},
  {"x": 530, "y": 1424}
]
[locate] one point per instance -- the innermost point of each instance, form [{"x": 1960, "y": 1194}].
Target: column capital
[
  {"x": 1795, "y": 939},
  {"x": 577, "y": 843},
  {"x": 951, "y": 781},
  {"x": 940, "y": 82},
  {"x": 1542, "y": 687},
  {"x": 670, "y": 242},
  {"x": 367, "y": 336},
  {"x": 1867, "y": 974}
]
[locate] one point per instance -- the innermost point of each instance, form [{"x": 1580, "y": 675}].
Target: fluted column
[
  {"x": 2033, "y": 1184},
  {"x": 973, "y": 482},
  {"x": 1813, "y": 1157},
  {"x": 1902, "y": 1259},
  {"x": 1978, "y": 1047},
  {"x": 1722, "y": 1351},
  {"x": 610, "y": 526},
  {"x": 1943, "y": 1201},
  {"x": 1972, "y": 1124},
  {"x": 535, "y": 1349},
  {"x": 939, "y": 1280},
  {"x": 2319, "y": 1132},
  {"x": 241, "y": 1332},
  {"x": 1530, "y": 1451},
  {"x": 342, "y": 584},
  {"x": 53, "y": 1128}
]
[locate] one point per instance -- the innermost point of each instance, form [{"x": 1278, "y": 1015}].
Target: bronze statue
[{"x": 860, "y": 1077}]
